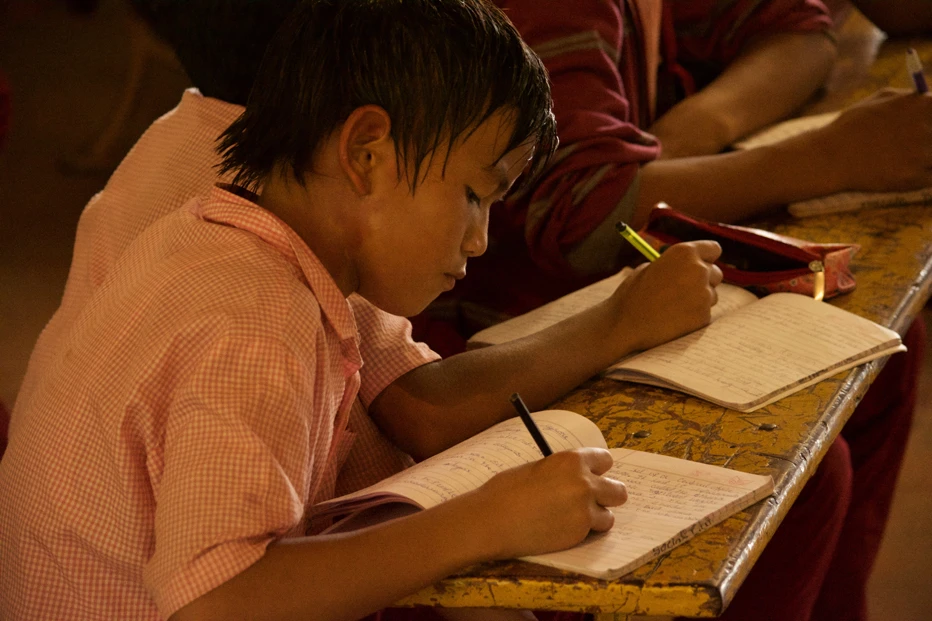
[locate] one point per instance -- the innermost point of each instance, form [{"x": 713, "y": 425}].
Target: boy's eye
[{"x": 472, "y": 197}]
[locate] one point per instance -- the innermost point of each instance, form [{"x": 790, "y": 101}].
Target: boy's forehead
[{"x": 509, "y": 165}]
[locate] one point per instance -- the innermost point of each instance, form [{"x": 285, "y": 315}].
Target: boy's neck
[{"x": 320, "y": 217}]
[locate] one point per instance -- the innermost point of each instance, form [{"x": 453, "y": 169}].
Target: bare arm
[
  {"x": 773, "y": 77},
  {"x": 543, "y": 506},
  {"x": 731, "y": 187},
  {"x": 440, "y": 404},
  {"x": 884, "y": 144}
]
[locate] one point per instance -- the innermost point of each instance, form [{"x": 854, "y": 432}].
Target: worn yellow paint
[{"x": 700, "y": 577}]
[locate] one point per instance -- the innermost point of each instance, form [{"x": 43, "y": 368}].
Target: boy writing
[{"x": 188, "y": 412}]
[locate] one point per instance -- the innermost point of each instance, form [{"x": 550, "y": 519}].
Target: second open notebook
[
  {"x": 669, "y": 500},
  {"x": 754, "y": 352}
]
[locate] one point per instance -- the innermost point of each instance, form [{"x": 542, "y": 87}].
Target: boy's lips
[{"x": 452, "y": 278}]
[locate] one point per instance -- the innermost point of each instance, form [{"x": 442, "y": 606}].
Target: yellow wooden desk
[{"x": 699, "y": 578}]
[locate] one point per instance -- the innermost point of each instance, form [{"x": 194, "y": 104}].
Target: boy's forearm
[
  {"x": 731, "y": 187},
  {"x": 349, "y": 576},
  {"x": 443, "y": 403},
  {"x": 768, "y": 81}
]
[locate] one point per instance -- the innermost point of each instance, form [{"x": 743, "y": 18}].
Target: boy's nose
[{"x": 477, "y": 235}]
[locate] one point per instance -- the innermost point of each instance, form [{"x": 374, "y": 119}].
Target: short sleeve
[
  {"x": 242, "y": 447},
  {"x": 386, "y": 348},
  {"x": 737, "y": 22},
  {"x": 591, "y": 179}
]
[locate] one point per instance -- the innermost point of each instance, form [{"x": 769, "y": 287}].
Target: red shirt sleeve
[
  {"x": 601, "y": 148},
  {"x": 594, "y": 62},
  {"x": 733, "y": 24}
]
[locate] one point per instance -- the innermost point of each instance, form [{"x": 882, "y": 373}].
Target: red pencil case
[{"x": 761, "y": 261}]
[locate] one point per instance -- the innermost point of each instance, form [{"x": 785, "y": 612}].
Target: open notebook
[
  {"x": 754, "y": 352},
  {"x": 669, "y": 500},
  {"x": 844, "y": 201}
]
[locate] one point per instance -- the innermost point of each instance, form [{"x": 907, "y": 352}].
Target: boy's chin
[{"x": 397, "y": 305}]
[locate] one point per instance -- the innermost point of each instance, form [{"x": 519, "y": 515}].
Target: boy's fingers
[
  {"x": 597, "y": 460},
  {"x": 601, "y": 519},
  {"x": 707, "y": 249},
  {"x": 610, "y": 492},
  {"x": 715, "y": 275}
]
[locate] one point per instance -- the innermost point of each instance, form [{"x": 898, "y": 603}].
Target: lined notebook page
[
  {"x": 669, "y": 501},
  {"x": 551, "y": 313},
  {"x": 469, "y": 464},
  {"x": 729, "y": 298},
  {"x": 759, "y": 353}
]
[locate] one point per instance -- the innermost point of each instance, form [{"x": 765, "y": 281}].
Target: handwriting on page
[
  {"x": 779, "y": 341},
  {"x": 730, "y": 298},
  {"x": 669, "y": 501},
  {"x": 552, "y": 313},
  {"x": 473, "y": 462}
]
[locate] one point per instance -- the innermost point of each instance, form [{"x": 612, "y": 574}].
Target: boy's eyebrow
[{"x": 499, "y": 176}]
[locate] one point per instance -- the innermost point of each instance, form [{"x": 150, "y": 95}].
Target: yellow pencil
[{"x": 635, "y": 240}]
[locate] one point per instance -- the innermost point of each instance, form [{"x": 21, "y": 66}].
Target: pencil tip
[{"x": 621, "y": 226}]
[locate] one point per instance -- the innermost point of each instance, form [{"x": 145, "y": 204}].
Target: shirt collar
[{"x": 228, "y": 208}]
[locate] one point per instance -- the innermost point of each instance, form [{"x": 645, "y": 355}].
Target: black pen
[{"x": 531, "y": 426}]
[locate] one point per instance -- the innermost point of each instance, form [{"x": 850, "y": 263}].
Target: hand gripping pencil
[{"x": 531, "y": 425}]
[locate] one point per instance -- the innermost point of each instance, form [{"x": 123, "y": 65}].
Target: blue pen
[{"x": 914, "y": 67}]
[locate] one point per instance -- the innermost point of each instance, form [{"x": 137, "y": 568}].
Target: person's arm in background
[
  {"x": 769, "y": 57},
  {"x": 770, "y": 79},
  {"x": 605, "y": 169}
]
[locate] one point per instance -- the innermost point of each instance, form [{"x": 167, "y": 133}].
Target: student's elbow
[{"x": 410, "y": 415}]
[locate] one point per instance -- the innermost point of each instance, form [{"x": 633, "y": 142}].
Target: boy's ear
[{"x": 365, "y": 143}]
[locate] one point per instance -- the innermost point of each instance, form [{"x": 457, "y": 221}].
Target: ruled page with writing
[
  {"x": 551, "y": 313},
  {"x": 670, "y": 500},
  {"x": 729, "y": 298},
  {"x": 762, "y": 352},
  {"x": 469, "y": 464}
]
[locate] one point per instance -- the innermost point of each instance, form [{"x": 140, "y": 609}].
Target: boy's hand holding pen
[
  {"x": 549, "y": 504},
  {"x": 667, "y": 297}
]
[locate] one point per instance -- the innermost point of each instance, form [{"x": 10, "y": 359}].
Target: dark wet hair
[{"x": 438, "y": 67}]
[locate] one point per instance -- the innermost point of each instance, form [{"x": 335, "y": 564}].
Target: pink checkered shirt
[{"x": 202, "y": 385}]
